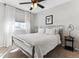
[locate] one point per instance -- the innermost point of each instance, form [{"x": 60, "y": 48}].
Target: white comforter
[{"x": 43, "y": 42}]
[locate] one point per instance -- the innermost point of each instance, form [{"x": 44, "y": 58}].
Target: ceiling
[{"x": 47, "y": 3}]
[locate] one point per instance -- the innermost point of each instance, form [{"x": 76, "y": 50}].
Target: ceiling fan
[{"x": 34, "y": 3}]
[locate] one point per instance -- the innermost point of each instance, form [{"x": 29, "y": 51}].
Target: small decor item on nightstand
[
  {"x": 69, "y": 39},
  {"x": 49, "y": 19},
  {"x": 70, "y": 28}
]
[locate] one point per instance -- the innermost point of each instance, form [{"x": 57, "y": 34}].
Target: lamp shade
[{"x": 70, "y": 28}]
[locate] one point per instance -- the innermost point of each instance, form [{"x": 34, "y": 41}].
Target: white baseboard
[{"x": 77, "y": 49}]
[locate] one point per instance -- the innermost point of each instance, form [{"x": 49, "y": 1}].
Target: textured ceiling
[{"x": 47, "y": 3}]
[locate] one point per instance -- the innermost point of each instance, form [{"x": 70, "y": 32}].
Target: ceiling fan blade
[
  {"x": 40, "y": 0},
  {"x": 31, "y": 8},
  {"x": 25, "y": 3},
  {"x": 40, "y": 6}
]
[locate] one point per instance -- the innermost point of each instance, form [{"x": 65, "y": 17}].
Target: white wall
[{"x": 64, "y": 14}]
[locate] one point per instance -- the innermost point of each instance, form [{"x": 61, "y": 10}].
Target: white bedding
[
  {"x": 43, "y": 42},
  {"x": 75, "y": 34}
]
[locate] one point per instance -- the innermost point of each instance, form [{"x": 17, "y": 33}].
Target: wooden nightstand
[{"x": 69, "y": 39}]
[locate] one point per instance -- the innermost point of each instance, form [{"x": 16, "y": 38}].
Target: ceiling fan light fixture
[
  {"x": 35, "y": 5},
  {"x": 32, "y": 5}
]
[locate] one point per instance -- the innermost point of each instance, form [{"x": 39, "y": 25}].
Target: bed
[
  {"x": 36, "y": 44},
  {"x": 75, "y": 34}
]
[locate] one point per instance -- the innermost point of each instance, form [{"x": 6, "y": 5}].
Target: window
[{"x": 20, "y": 25}]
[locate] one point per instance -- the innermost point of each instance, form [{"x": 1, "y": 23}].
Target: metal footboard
[{"x": 33, "y": 47}]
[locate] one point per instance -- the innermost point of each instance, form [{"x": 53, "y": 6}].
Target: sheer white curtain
[
  {"x": 10, "y": 17},
  {"x": 7, "y": 21},
  {"x": 28, "y": 22},
  {"x": 9, "y": 24},
  {"x": 2, "y": 21}
]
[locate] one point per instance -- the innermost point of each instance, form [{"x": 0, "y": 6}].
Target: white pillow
[
  {"x": 50, "y": 31},
  {"x": 20, "y": 32},
  {"x": 41, "y": 30}
]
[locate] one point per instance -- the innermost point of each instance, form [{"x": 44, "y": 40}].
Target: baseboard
[{"x": 77, "y": 49}]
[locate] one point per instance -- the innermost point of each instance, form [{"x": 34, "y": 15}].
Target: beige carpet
[{"x": 58, "y": 52}]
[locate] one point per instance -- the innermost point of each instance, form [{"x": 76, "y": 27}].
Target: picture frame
[{"x": 49, "y": 19}]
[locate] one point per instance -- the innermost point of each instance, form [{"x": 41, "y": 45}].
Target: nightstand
[{"x": 69, "y": 39}]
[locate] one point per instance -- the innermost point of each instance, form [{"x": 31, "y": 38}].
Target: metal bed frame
[{"x": 33, "y": 47}]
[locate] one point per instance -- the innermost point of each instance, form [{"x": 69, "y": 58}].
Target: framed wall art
[{"x": 49, "y": 19}]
